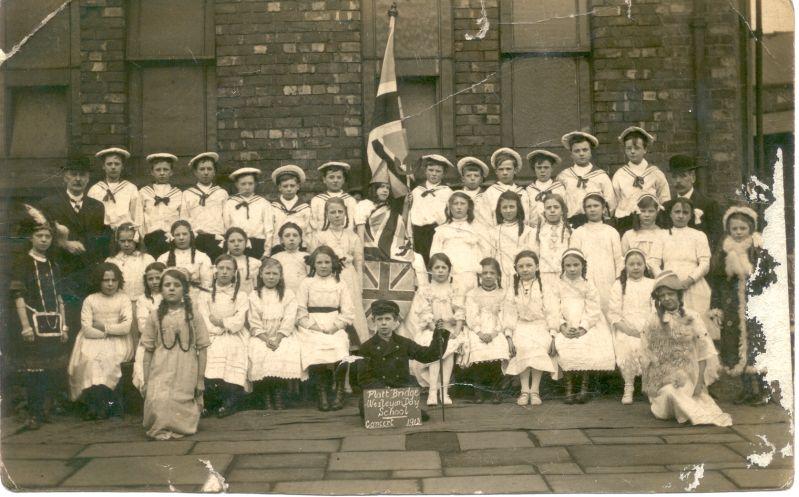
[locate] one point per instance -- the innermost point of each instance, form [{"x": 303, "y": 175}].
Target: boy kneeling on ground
[{"x": 386, "y": 354}]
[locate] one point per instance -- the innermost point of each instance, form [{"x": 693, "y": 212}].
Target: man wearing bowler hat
[
  {"x": 707, "y": 212},
  {"x": 85, "y": 241}
]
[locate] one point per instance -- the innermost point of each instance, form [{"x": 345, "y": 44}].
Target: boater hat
[
  {"x": 243, "y": 171},
  {"x": 113, "y": 150},
  {"x": 472, "y": 160},
  {"x": 635, "y": 129},
  {"x": 327, "y": 165},
  {"x": 289, "y": 169},
  {"x": 555, "y": 158},
  {"x": 161, "y": 157},
  {"x": 588, "y": 136},
  {"x": 205, "y": 155},
  {"x": 437, "y": 159},
  {"x": 506, "y": 152}
]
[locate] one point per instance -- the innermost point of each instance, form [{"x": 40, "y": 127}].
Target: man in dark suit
[
  {"x": 86, "y": 242},
  {"x": 707, "y": 212}
]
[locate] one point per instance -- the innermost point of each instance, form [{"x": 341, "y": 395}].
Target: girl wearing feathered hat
[
  {"x": 741, "y": 267},
  {"x": 37, "y": 344},
  {"x": 678, "y": 359}
]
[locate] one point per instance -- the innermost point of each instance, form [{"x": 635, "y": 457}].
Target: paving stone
[
  {"x": 416, "y": 473},
  {"x": 627, "y": 440},
  {"x": 638, "y": 455},
  {"x": 636, "y": 482},
  {"x": 655, "y": 431},
  {"x": 147, "y": 470},
  {"x": 441, "y": 441},
  {"x": 548, "y": 438},
  {"x": 40, "y": 451},
  {"x": 559, "y": 468},
  {"x": 709, "y": 466},
  {"x": 388, "y": 460},
  {"x": 710, "y": 438},
  {"x": 130, "y": 449},
  {"x": 358, "y": 475},
  {"x": 373, "y": 442},
  {"x": 25, "y": 474},
  {"x": 760, "y": 478},
  {"x": 506, "y": 457},
  {"x": 778, "y": 434},
  {"x": 521, "y": 469},
  {"x": 265, "y": 446},
  {"x": 248, "y": 487},
  {"x": 249, "y": 461},
  {"x": 271, "y": 475},
  {"x": 485, "y": 484},
  {"x": 747, "y": 449},
  {"x": 628, "y": 469},
  {"x": 348, "y": 487},
  {"x": 494, "y": 440}
]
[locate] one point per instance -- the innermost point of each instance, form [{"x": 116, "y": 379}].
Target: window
[
  {"x": 49, "y": 47},
  {"x": 38, "y": 122},
  {"x": 545, "y": 75},
  {"x": 172, "y": 78},
  {"x": 418, "y": 97}
]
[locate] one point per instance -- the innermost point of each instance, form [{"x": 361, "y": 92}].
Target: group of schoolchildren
[{"x": 216, "y": 296}]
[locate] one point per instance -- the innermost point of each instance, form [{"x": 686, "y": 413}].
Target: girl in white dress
[
  {"x": 324, "y": 311},
  {"x": 273, "y": 347},
  {"x": 679, "y": 360},
  {"x": 236, "y": 242},
  {"x": 432, "y": 303},
  {"x": 145, "y": 304},
  {"x": 224, "y": 313},
  {"x": 102, "y": 344},
  {"x": 628, "y": 310},
  {"x": 291, "y": 255},
  {"x": 463, "y": 240},
  {"x": 490, "y": 343},
  {"x": 583, "y": 342},
  {"x": 510, "y": 235},
  {"x": 686, "y": 252},
  {"x": 645, "y": 234},
  {"x": 185, "y": 255},
  {"x": 601, "y": 245},
  {"x": 337, "y": 233},
  {"x": 533, "y": 324},
  {"x": 552, "y": 239}
]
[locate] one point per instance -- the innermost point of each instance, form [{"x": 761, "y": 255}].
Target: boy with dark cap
[
  {"x": 386, "y": 354},
  {"x": 707, "y": 212}
]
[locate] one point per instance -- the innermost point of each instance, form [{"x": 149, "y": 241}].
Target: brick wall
[
  {"x": 289, "y": 83},
  {"x": 643, "y": 74},
  {"x": 477, "y": 108},
  {"x": 103, "y": 76}
]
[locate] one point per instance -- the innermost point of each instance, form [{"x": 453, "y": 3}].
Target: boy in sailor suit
[
  {"x": 288, "y": 208},
  {"x": 429, "y": 204},
  {"x": 119, "y": 197},
  {"x": 334, "y": 176},
  {"x": 249, "y": 211},
  {"x": 203, "y": 204},
  {"x": 160, "y": 204},
  {"x": 473, "y": 172},
  {"x": 636, "y": 177},
  {"x": 506, "y": 163},
  {"x": 542, "y": 162},
  {"x": 583, "y": 177}
]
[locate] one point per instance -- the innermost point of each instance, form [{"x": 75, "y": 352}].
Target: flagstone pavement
[{"x": 599, "y": 447}]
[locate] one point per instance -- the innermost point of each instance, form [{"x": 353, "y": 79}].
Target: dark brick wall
[
  {"x": 103, "y": 75},
  {"x": 288, "y": 83},
  {"x": 477, "y": 80}
]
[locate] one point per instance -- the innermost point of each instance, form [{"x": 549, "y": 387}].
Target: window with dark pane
[
  {"x": 38, "y": 122},
  {"x": 418, "y": 96}
]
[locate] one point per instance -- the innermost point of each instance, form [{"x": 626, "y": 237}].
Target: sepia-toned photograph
[{"x": 348, "y": 247}]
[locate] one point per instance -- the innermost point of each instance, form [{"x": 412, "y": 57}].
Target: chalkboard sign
[{"x": 392, "y": 408}]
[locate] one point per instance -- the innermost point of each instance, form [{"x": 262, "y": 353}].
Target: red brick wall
[
  {"x": 103, "y": 75},
  {"x": 289, "y": 84}
]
